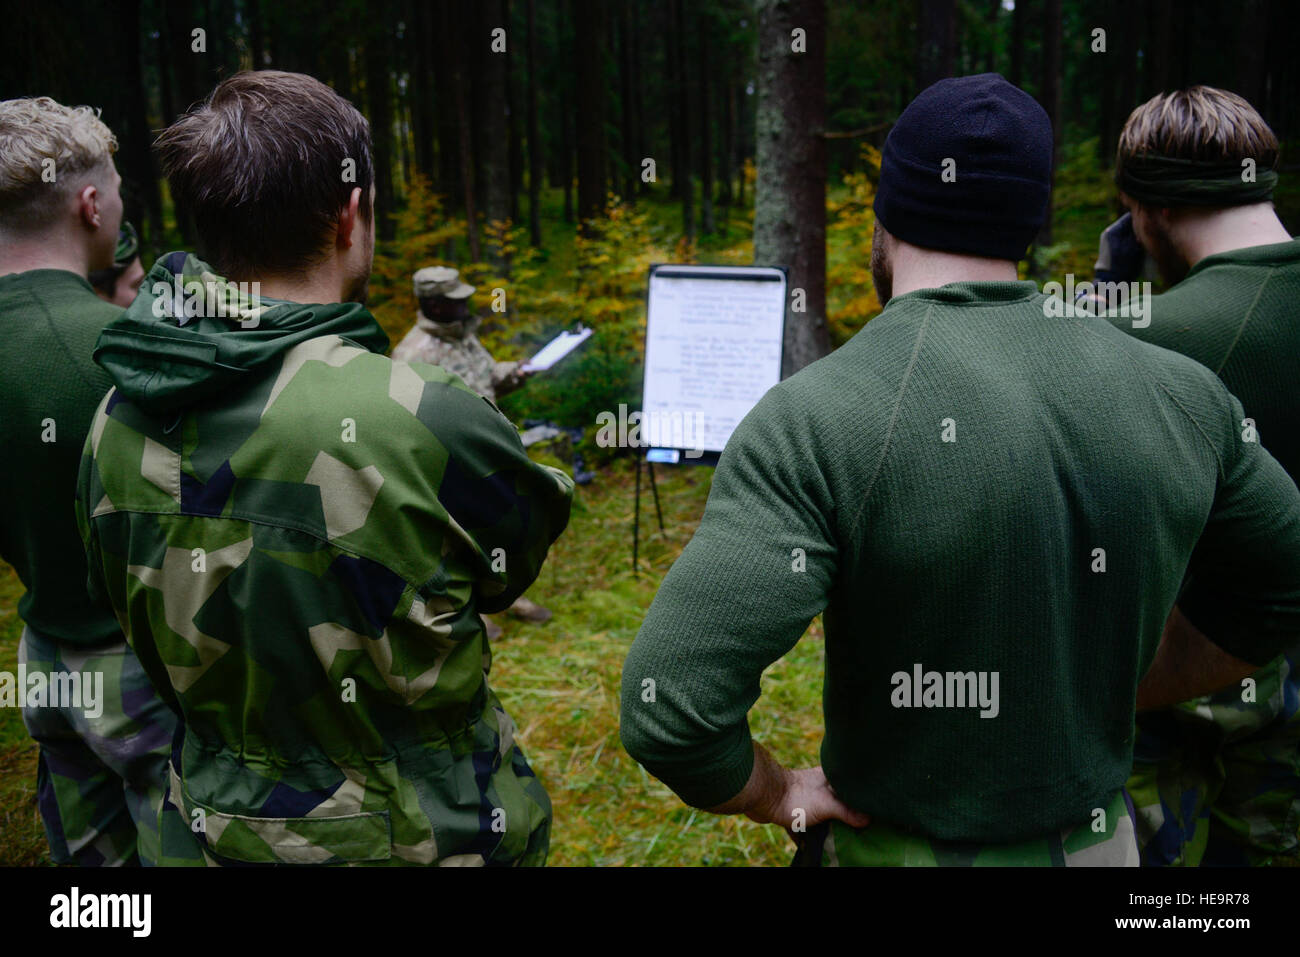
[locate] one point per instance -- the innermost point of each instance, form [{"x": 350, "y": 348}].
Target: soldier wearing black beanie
[
  {"x": 967, "y": 169},
  {"x": 993, "y": 506}
]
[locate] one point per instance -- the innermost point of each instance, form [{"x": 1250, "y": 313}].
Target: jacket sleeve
[
  {"x": 1242, "y": 590},
  {"x": 744, "y": 590},
  {"x": 507, "y": 509}
]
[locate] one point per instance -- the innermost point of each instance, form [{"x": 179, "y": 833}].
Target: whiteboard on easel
[{"x": 712, "y": 349}]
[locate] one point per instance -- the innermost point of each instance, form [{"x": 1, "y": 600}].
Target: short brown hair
[
  {"x": 34, "y": 131},
  {"x": 261, "y": 166},
  {"x": 1198, "y": 123}
]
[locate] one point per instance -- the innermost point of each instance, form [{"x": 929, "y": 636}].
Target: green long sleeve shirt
[
  {"x": 1236, "y": 314},
  {"x": 49, "y": 388},
  {"x": 994, "y": 510}
]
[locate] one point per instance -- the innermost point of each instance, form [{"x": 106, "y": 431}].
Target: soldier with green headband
[
  {"x": 1216, "y": 780},
  {"x": 120, "y": 282}
]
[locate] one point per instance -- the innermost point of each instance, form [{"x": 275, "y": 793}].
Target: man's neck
[
  {"x": 46, "y": 252},
  {"x": 1201, "y": 233},
  {"x": 915, "y": 268},
  {"x": 309, "y": 288}
]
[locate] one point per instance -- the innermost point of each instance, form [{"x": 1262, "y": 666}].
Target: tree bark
[
  {"x": 1051, "y": 98},
  {"x": 707, "y": 223},
  {"x": 465, "y": 137},
  {"x": 590, "y": 42},
  {"x": 380, "y": 102},
  {"x": 790, "y": 195},
  {"x": 625, "y": 103},
  {"x": 137, "y": 158},
  {"x": 1019, "y": 19},
  {"x": 534, "y": 136},
  {"x": 494, "y": 147},
  {"x": 682, "y": 96},
  {"x": 937, "y": 35}
]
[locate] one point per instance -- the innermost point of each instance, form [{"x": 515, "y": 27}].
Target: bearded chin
[
  {"x": 882, "y": 276},
  {"x": 359, "y": 291}
]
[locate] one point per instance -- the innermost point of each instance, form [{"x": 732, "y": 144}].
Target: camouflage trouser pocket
[
  {"x": 1108, "y": 839},
  {"x": 325, "y": 839}
]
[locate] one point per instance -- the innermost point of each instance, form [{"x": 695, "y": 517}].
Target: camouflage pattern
[
  {"x": 1103, "y": 841},
  {"x": 100, "y": 777},
  {"x": 455, "y": 347},
  {"x": 300, "y": 564},
  {"x": 1217, "y": 780}
]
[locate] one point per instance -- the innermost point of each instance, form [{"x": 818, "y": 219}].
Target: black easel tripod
[{"x": 636, "y": 515}]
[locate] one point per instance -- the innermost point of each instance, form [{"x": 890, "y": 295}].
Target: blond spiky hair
[
  {"x": 34, "y": 131},
  {"x": 1198, "y": 123}
]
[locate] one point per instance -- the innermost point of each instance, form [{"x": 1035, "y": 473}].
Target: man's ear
[
  {"x": 88, "y": 206},
  {"x": 350, "y": 220}
]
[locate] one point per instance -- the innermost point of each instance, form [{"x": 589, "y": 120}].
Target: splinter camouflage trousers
[
  {"x": 100, "y": 778},
  {"x": 1217, "y": 780},
  {"x": 1106, "y": 840}
]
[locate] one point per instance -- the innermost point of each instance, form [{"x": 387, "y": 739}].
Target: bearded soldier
[
  {"x": 1217, "y": 779},
  {"x": 444, "y": 335}
]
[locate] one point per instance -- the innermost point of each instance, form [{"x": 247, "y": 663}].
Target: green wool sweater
[
  {"x": 49, "y": 389},
  {"x": 1236, "y": 313},
  {"x": 971, "y": 489}
]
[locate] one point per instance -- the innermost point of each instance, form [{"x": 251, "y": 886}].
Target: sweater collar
[
  {"x": 974, "y": 293},
  {"x": 48, "y": 277},
  {"x": 1271, "y": 254}
]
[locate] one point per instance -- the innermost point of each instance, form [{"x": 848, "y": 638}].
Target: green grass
[
  {"x": 22, "y": 840},
  {"x": 561, "y": 683}
]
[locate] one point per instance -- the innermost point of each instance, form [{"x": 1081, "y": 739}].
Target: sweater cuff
[{"x": 711, "y": 775}]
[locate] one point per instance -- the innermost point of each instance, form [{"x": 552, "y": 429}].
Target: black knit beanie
[{"x": 994, "y": 198}]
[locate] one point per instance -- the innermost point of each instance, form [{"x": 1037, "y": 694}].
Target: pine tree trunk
[
  {"x": 590, "y": 44},
  {"x": 790, "y": 195},
  {"x": 534, "y": 136},
  {"x": 707, "y": 223},
  {"x": 1051, "y": 97}
]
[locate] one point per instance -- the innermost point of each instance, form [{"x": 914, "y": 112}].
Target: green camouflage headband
[
  {"x": 128, "y": 246},
  {"x": 1170, "y": 181}
]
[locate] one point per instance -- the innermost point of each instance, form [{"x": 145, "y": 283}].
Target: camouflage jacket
[
  {"x": 297, "y": 535},
  {"x": 455, "y": 347}
]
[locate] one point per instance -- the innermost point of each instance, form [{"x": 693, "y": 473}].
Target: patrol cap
[{"x": 440, "y": 282}]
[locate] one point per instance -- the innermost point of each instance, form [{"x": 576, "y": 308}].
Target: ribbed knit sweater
[
  {"x": 49, "y": 389},
  {"x": 1238, "y": 313},
  {"x": 967, "y": 486}
]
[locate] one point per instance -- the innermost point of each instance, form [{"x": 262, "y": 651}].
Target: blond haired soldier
[
  {"x": 104, "y": 734},
  {"x": 1217, "y": 779}
]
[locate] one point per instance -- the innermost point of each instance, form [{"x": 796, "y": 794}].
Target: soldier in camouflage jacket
[
  {"x": 444, "y": 335},
  {"x": 297, "y": 535}
]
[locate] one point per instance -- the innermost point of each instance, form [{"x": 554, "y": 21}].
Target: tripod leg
[
  {"x": 655, "y": 488},
  {"x": 636, "y": 515}
]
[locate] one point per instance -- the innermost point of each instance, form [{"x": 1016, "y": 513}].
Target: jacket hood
[{"x": 191, "y": 334}]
